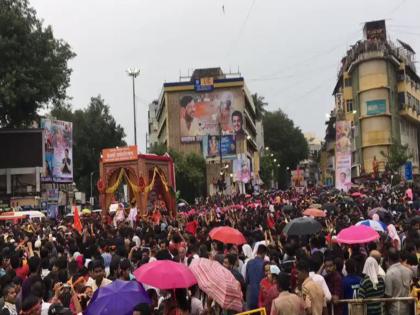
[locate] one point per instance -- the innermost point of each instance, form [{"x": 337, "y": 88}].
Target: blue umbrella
[
  {"x": 376, "y": 225},
  {"x": 120, "y": 297}
]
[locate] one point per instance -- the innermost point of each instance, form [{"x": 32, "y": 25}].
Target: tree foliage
[
  {"x": 396, "y": 156},
  {"x": 190, "y": 172},
  {"x": 94, "y": 129},
  {"x": 260, "y": 105},
  {"x": 33, "y": 69},
  {"x": 285, "y": 141}
]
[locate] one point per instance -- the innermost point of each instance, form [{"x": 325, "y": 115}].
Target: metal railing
[{"x": 359, "y": 306}]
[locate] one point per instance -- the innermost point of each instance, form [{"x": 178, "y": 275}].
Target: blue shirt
[
  {"x": 351, "y": 284},
  {"x": 254, "y": 275}
]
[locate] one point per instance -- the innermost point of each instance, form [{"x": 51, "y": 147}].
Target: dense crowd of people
[{"x": 48, "y": 267}]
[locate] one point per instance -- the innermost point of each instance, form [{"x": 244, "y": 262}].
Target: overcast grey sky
[{"x": 287, "y": 51}]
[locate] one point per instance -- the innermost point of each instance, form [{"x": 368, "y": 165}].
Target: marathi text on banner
[{"x": 119, "y": 154}]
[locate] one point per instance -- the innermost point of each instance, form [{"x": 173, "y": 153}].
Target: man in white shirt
[
  {"x": 97, "y": 276},
  {"x": 318, "y": 279},
  {"x": 132, "y": 216}
]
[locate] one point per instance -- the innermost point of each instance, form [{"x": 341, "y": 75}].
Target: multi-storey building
[
  {"x": 378, "y": 91},
  {"x": 211, "y": 114}
]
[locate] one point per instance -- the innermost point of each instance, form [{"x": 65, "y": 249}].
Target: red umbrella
[
  {"x": 313, "y": 212},
  {"x": 357, "y": 194},
  {"x": 227, "y": 235},
  {"x": 357, "y": 234},
  {"x": 165, "y": 274},
  {"x": 218, "y": 283}
]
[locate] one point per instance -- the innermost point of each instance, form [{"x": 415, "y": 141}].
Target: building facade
[
  {"x": 378, "y": 91},
  {"x": 151, "y": 136},
  {"x": 211, "y": 114}
]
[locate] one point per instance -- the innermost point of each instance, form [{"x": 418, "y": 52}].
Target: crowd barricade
[
  {"x": 359, "y": 306},
  {"x": 256, "y": 311}
]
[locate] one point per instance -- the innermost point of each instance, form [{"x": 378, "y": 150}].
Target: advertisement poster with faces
[
  {"x": 343, "y": 155},
  {"x": 58, "y": 142},
  {"x": 213, "y": 148},
  {"x": 242, "y": 169},
  {"x": 212, "y": 113}
]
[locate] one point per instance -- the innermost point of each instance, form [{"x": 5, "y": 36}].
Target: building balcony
[
  {"x": 367, "y": 49},
  {"x": 410, "y": 113}
]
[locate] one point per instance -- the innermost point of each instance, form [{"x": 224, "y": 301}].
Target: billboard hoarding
[
  {"x": 58, "y": 142},
  {"x": 298, "y": 179},
  {"x": 408, "y": 170},
  {"x": 21, "y": 148},
  {"x": 343, "y": 155},
  {"x": 119, "y": 154},
  {"x": 213, "y": 113},
  {"x": 212, "y": 147},
  {"x": 241, "y": 169}
]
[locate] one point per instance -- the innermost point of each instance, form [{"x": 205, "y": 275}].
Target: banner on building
[
  {"x": 298, "y": 179},
  {"x": 408, "y": 170},
  {"x": 339, "y": 103},
  {"x": 343, "y": 155},
  {"x": 119, "y": 154},
  {"x": 53, "y": 195},
  {"x": 213, "y": 148},
  {"x": 58, "y": 142},
  {"x": 375, "y": 107},
  {"x": 214, "y": 113},
  {"x": 241, "y": 169}
]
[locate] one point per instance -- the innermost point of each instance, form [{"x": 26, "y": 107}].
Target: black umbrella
[
  {"x": 330, "y": 207},
  {"x": 302, "y": 226},
  {"x": 288, "y": 208}
]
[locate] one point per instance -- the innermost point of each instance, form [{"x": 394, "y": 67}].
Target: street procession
[{"x": 215, "y": 178}]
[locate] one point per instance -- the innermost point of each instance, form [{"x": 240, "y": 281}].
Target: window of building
[
  {"x": 349, "y": 106},
  {"x": 347, "y": 82},
  {"x": 400, "y": 76},
  {"x": 401, "y": 100}
]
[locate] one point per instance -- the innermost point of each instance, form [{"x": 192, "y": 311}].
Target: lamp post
[
  {"x": 133, "y": 73},
  {"x": 91, "y": 187}
]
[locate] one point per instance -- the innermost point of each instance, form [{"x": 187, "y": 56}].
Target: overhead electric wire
[
  {"x": 238, "y": 36},
  {"x": 310, "y": 58}
]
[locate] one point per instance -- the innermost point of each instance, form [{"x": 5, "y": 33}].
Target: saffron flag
[{"x": 77, "y": 224}]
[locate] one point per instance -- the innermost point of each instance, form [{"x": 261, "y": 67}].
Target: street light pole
[
  {"x": 91, "y": 187},
  {"x": 133, "y": 73}
]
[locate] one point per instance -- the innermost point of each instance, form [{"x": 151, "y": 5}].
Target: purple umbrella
[{"x": 120, "y": 297}]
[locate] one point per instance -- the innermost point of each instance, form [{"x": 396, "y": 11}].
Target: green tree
[
  {"x": 286, "y": 142},
  {"x": 260, "y": 105},
  {"x": 396, "y": 156},
  {"x": 190, "y": 172},
  {"x": 94, "y": 129},
  {"x": 34, "y": 69}
]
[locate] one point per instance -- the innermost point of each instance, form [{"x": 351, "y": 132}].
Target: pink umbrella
[
  {"x": 218, "y": 283},
  {"x": 165, "y": 274},
  {"x": 357, "y": 234},
  {"x": 313, "y": 212},
  {"x": 227, "y": 235}
]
